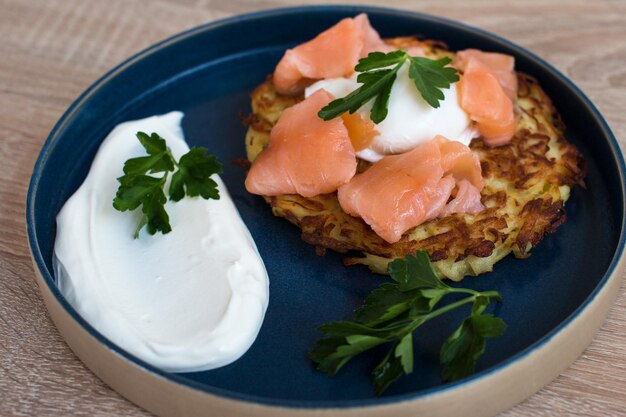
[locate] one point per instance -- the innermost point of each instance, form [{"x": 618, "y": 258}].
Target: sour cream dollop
[
  {"x": 190, "y": 300},
  {"x": 410, "y": 120}
]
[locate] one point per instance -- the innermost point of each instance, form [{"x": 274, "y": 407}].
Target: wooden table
[{"x": 51, "y": 50}]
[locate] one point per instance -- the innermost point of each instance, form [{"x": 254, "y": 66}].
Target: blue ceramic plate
[{"x": 208, "y": 73}]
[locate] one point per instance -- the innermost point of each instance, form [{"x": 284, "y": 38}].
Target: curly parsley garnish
[
  {"x": 392, "y": 312},
  {"x": 429, "y": 76},
  {"x": 137, "y": 188}
]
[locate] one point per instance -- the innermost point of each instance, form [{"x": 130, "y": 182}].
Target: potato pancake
[{"x": 526, "y": 185}]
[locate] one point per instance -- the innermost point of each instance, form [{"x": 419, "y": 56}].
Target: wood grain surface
[{"x": 51, "y": 50}]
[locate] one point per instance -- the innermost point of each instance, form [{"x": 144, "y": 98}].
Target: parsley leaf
[
  {"x": 415, "y": 271},
  {"x": 375, "y": 84},
  {"x": 154, "y": 215},
  {"x": 392, "y": 312},
  {"x": 404, "y": 352},
  {"x": 377, "y": 60},
  {"x": 334, "y": 352},
  {"x": 137, "y": 188},
  {"x": 379, "y": 109},
  {"x": 377, "y": 73},
  {"x": 463, "y": 348},
  {"x": 385, "y": 303},
  {"x": 430, "y": 76},
  {"x": 194, "y": 176},
  {"x": 147, "y": 192},
  {"x": 160, "y": 159},
  {"x": 388, "y": 371}
]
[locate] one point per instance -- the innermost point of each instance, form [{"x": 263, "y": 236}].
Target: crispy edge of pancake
[{"x": 526, "y": 185}]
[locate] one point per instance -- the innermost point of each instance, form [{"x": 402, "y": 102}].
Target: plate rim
[{"x": 74, "y": 108}]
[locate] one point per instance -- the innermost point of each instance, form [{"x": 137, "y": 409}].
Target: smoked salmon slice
[
  {"x": 402, "y": 191},
  {"x": 331, "y": 54},
  {"x": 461, "y": 164},
  {"x": 305, "y": 155},
  {"x": 501, "y": 66},
  {"x": 467, "y": 200},
  {"x": 482, "y": 96}
]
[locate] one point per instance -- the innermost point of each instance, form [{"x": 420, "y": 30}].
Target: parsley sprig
[
  {"x": 429, "y": 76},
  {"x": 393, "y": 311},
  {"x": 137, "y": 188}
]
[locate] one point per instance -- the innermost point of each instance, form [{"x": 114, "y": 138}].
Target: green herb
[
  {"x": 393, "y": 311},
  {"x": 429, "y": 76},
  {"x": 137, "y": 188}
]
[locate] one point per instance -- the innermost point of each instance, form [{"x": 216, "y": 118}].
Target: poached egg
[{"x": 410, "y": 120}]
